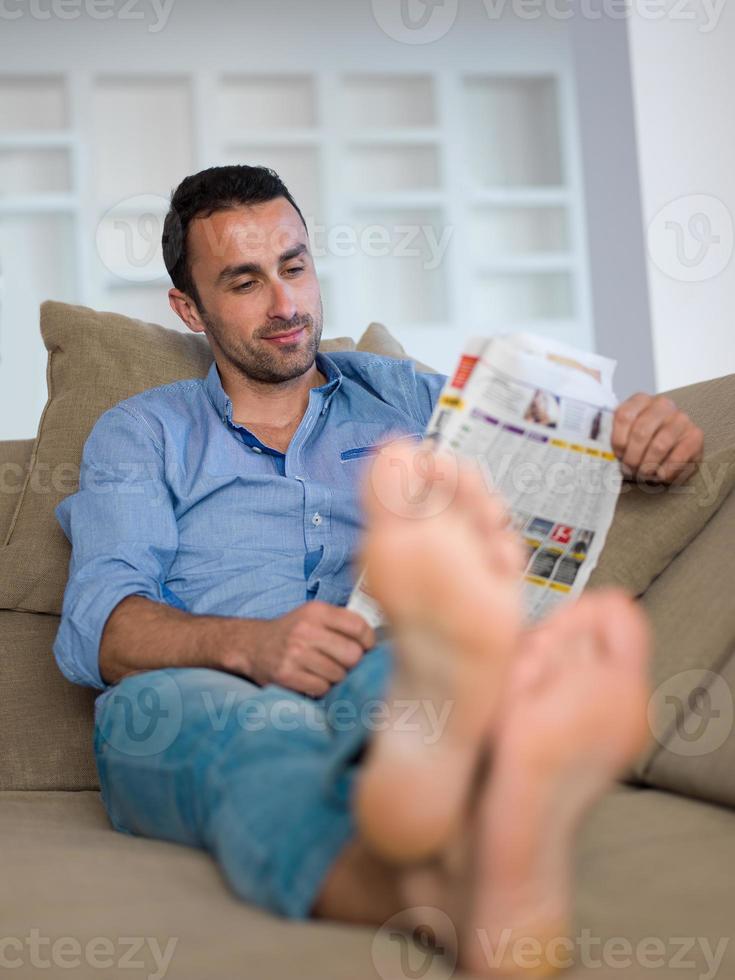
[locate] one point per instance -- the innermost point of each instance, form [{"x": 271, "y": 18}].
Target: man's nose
[{"x": 283, "y": 303}]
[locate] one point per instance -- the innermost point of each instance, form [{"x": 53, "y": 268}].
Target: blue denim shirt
[{"x": 182, "y": 505}]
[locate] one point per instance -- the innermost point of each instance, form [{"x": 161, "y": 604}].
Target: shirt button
[
  {"x": 316, "y": 519},
  {"x": 256, "y": 449}
]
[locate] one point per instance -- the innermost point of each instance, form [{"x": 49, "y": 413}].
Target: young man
[{"x": 215, "y": 540}]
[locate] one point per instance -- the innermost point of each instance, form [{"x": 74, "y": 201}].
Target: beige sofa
[{"x": 655, "y": 882}]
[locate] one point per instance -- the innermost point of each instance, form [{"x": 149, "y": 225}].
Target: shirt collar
[{"x": 223, "y": 405}]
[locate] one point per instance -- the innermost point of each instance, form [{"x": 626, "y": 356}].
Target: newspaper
[{"x": 537, "y": 417}]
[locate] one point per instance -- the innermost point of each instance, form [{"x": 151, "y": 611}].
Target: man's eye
[
  {"x": 296, "y": 268},
  {"x": 244, "y": 285}
]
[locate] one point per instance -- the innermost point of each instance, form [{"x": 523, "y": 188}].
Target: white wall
[
  {"x": 683, "y": 82},
  {"x": 259, "y": 35},
  {"x": 254, "y": 36}
]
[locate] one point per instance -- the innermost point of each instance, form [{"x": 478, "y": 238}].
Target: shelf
[
  {"x": 36, "y": 140},
  {"x": 156, "y": 203},
  {"x": 29, "y": 171},
  {"x": 519, "y": 140},
  {"x": 520, "y": 264},
  {"x": 131, "y": 154},
  {"x": 461, "y": 175},
  {"x": 32, "y": 102},
  {"x": 38, "y": 204},
  {"x": 399, "y": 199},
  {"x": 38, "y": 261},
  {"x": 393, "y": 169},
  {"x": 531, "y": 197},
  {"x": 385, "y": 101},
  {"x": 393, "y": 137},
  {"x": 273, "y": 137},
  {"x": 512, "y": 297},
  {"x": 500, "y": 232},
  {"x": 394, "y": 277},
  {"x": 266, "y": 102},
  {"x": 297, "y": 166}
]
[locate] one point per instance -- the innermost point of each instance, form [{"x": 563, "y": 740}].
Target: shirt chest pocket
[{"x": 360, "y": 452}]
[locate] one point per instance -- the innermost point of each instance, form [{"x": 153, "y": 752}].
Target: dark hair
[{"x": 214, "y": 189}]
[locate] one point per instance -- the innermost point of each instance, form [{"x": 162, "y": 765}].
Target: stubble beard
[{"x": 255, "y": 361}]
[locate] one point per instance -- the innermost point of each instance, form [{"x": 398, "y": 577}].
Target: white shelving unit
[{"x": 461, "y": 192}]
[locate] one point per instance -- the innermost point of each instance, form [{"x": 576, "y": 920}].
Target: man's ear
[{"x": 184, "y": 307}]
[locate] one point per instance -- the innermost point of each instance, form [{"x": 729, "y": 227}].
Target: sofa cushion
[
  {"x": 45, "y": 722},
  {"x": 15, "y": 457},
  {"x": 692, "y": 708},
  {"x": 70, "y": 874},
  {"x": 95, "y": 360},
  {"x": 652, "y": 523},
  {"x": 377, "y": 339},
  {"x": 651, "y": 864},
  {"x": 648, "y": 865}
]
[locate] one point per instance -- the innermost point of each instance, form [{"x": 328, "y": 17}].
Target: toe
[{"x": 490, "y": 520}]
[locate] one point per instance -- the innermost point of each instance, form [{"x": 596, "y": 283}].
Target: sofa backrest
[
  {"x": 46, "y": 722},
  {"x": 14, "y": 459},
  {"x": 95, "y": 360}
]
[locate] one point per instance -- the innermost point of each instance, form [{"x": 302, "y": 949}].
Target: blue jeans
[{"x": 262, "y": 778}]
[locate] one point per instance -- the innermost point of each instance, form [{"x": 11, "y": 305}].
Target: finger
[
  {"x": 324, "y": 666},
  {"x": 644, "y": 429},
  {"x": 304, "y": 682},
  {"x": 684, "y": 457},
  {"x": 345, "y": 652},
  {"x": 663, "y": 442},
  {"x": 624, "y": 419},
  {"x": 350, "y": 624}
]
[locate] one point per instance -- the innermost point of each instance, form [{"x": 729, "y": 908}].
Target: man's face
[{"x": 260, "y": 302}]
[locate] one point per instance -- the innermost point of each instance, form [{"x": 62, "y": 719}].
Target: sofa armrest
[
  {"x": 711, "y": 404},
  {"x": 14, "y": 459}
]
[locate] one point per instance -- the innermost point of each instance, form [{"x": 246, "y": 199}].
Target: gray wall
[{"x": 617, "y": 255}]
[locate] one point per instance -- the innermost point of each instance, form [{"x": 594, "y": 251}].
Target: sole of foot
[
  {"x": 445, "y": 566},
  {"x": 574, "y": 718}
]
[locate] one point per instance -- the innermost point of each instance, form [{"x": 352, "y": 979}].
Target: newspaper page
[{"x": 537, "y": 417}]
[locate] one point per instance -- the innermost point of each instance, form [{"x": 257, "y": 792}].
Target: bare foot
[
  {"x": 575, "y": 715},
  {"x": 446, "y": 569}
]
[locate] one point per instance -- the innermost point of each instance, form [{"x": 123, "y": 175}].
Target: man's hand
[
  {"x": 655, "y": 441},
  {"x": 307, "y": 650}
]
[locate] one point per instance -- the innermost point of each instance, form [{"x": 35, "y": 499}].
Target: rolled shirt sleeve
[{"x": 123, "y": 532}]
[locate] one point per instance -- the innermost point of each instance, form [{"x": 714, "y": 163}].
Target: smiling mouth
[{"x": 287, "y": 338}]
